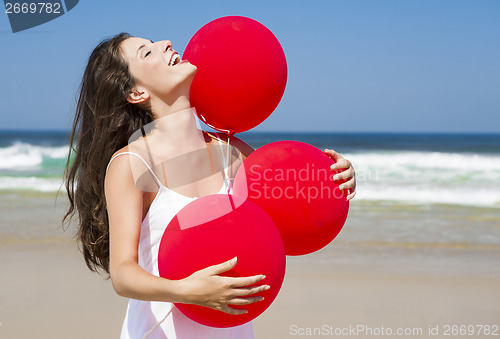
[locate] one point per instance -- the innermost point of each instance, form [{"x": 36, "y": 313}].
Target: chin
[
  {"x": 183, "y": 80},
  {"x": 192, "y": 67},
  {"x": 191, "y": 75}
]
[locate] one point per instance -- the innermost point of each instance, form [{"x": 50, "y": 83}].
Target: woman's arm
[{"x": 205, "y": 287}]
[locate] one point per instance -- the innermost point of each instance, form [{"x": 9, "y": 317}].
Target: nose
[{"x": 165, "y": 45}]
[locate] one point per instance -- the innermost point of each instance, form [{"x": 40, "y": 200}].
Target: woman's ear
[{"x": 137, "y": 96}]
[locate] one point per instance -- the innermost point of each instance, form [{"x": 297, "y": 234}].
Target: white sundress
[{"x": 154, "y": 319}]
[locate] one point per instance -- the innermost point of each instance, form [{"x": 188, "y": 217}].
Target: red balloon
[
  {"x": 292, "y": 182},
  {"x": 212, "y": 230},
  {"x": 241, "y": 73}
]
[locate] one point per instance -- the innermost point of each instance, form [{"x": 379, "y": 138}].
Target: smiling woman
[
  {"x": 132, "y": 86},
  {"x": 129, "y": 83}
]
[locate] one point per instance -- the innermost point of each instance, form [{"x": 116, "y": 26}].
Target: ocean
[
  {"x": 417, "y": 193},
  {"x": 457, "y": 169}
]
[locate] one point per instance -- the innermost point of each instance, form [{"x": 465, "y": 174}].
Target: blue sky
[{"x": 377, "y": 66}]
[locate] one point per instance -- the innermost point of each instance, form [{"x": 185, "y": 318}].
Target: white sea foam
[
  {"x": 30, "y": 183},
  {"x": 430, "y": 195},
  {"x": 426, "y": 160},
  {"x": 21, "y": 156},
  {"x": 428, "y": 177},
  {"x": 399, "y": 176}
]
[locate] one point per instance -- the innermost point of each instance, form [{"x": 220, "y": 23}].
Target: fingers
[
  {"x": 241, "y": 292},
  {"x": 341, "y": 163},
  {"x": 350, "y": 196},
  {"x": 245, "y": 301},
  {"x": 232, "y": 310},
  {"x": 245, "y": 281},
  {"x": 332, "y": 154},
  {"x": 237, "y": 297},
  {"x": 217, "y": 291},
  {"x": 348, "y": 184},
  {"x": 223, "y": 267},
  {"x": 348, "y": 173},
  {"x": 238, "y": 301}
]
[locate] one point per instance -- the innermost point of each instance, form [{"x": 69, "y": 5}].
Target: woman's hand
[
  {"x": 207, "y": 288},
  {"x": 347, "y": 174}
]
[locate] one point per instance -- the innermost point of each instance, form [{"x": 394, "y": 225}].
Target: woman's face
[{"x": 157, "y": 68}]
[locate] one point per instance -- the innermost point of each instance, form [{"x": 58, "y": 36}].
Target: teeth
[{"x": 175, "y": 59}]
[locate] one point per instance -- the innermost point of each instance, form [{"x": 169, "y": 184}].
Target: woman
[{"x": 130, "y": 83}]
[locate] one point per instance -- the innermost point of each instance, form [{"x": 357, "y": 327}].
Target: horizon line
[{"x": 17, "y": 130}]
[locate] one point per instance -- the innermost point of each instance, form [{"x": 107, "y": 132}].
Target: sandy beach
[{"x": 353, "y": 284}]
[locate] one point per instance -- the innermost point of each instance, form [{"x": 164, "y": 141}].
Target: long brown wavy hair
[{"x": 103, "y": 123}]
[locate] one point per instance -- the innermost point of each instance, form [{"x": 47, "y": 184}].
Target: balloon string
[
  {"x": 229, "y": 131},
  {"x": 229, "y": 185}
]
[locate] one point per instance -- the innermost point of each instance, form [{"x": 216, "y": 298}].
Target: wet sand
[{"x": 46, "y": 291}]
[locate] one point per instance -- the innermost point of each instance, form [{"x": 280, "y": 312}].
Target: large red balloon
[
  {"x": 291, "y": 181},
  {"x": 241, "y": 73},
  {"x": 214, "y": 229}
]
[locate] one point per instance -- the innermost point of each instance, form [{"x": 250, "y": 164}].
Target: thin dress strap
[
  {"x": 158, "y": 182},
  {"x": 144, "y": 161},
  {"x": 226, "y": 161}
]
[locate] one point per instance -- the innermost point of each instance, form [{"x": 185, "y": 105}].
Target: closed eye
[{"x": 147, "y": 53}]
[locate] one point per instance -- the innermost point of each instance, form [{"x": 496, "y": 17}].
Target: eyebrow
[{"x": 142, "y": 46}]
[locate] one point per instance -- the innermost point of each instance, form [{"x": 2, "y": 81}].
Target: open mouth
[{"x": 174, "y": 59}]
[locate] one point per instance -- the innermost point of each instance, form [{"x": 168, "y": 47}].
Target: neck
[
  {"x": 162, "y": 108},
  {"x": 175, "y": 126}
]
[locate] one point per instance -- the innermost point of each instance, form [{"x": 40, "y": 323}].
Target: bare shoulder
[
  {"x": 117, "y": 162},
  {"x": 123, "y": 169},
  {"x": 121, "y": 150},
  {"x": 118, "y": 167},
  {"x": 129, "y": 169},
  {"x": 242, "y": 146}
]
